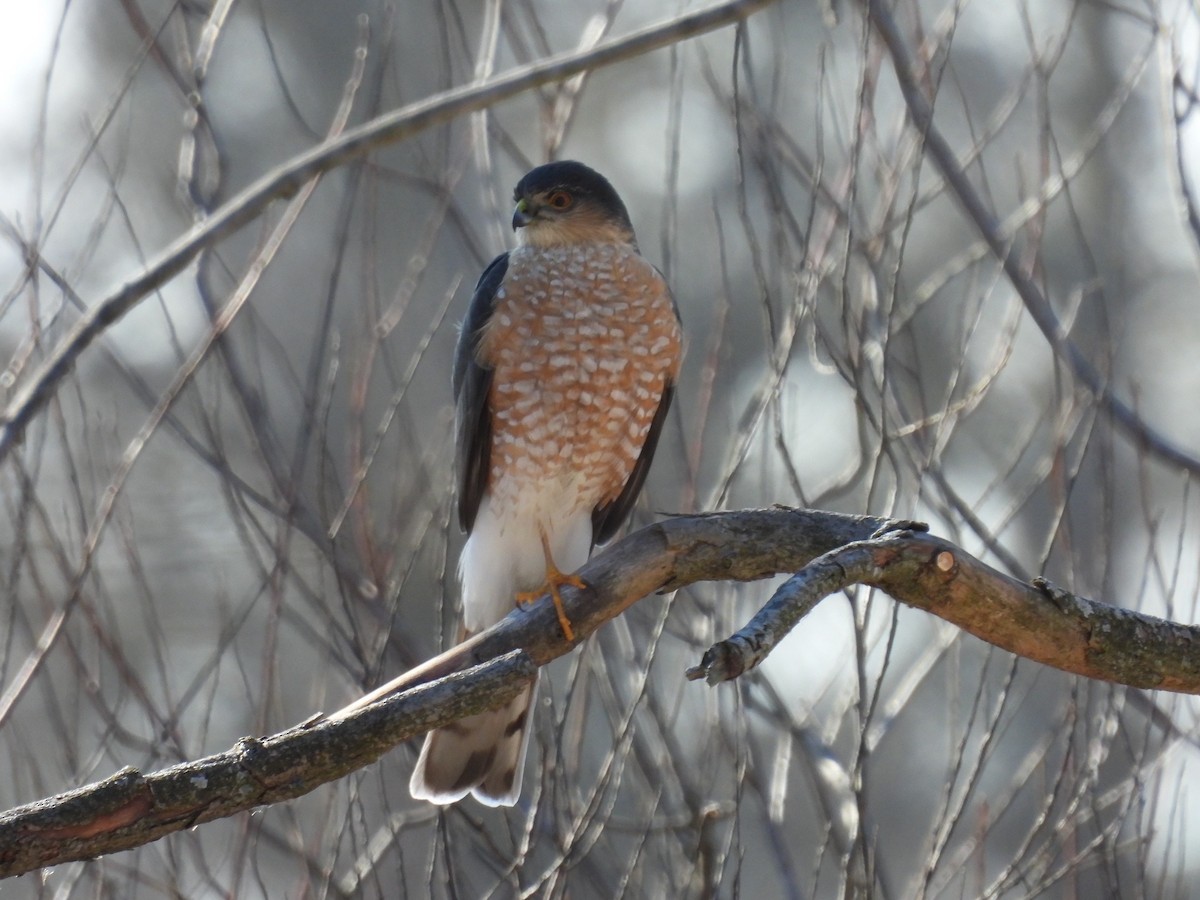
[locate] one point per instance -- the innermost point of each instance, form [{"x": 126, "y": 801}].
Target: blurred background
[{"x": 207, "y": 536}]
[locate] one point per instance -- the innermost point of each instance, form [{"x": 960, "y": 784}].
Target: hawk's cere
[{"x": 563, "y": 375}]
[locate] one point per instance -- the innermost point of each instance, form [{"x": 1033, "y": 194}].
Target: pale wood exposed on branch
[{"x": 828, "y": 551}]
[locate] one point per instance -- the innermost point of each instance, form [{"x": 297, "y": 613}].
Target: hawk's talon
[{"x": 555, "y": 579}]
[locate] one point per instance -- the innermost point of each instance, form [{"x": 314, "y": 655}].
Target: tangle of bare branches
[
  {"x": 943, "y": 156},
  {"x": 287, "y": 181}
]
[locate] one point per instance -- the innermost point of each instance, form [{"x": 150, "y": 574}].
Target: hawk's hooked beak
[{"x": 523, "y": 214}]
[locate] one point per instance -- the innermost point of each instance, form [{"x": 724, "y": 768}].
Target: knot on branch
[{"x": 726, "y": 660}]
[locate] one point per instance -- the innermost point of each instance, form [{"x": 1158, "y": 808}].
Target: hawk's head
[{"x": 568, "y": 203}]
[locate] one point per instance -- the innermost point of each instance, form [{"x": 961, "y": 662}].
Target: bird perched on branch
[{"x": 563, "y": 376}]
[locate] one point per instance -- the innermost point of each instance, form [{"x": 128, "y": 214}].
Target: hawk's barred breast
[{"x": 583, "y": 340}]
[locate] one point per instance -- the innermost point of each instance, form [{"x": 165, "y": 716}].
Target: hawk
[{"x": 563, "y": 375}]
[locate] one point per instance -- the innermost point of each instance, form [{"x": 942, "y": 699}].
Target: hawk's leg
[{"x": 555, "y": 579}]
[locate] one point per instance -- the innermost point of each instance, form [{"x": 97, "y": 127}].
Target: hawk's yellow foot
[{"x": 555, "y": 579}]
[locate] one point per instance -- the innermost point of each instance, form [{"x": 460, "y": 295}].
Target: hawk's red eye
[{"x": 559, "y": 199}]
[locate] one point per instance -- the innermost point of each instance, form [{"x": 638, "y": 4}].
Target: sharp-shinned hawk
[{"x": 563, "y": 376}]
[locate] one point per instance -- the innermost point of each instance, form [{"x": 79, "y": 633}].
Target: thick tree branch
[
  {"x": 739, "y": 546},
  {"x": 130, "y": 809},
  {"x": 828, "y": 552},
  {"x": 287, "y": 180},
  {"x": 1037, "y": 621}
]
